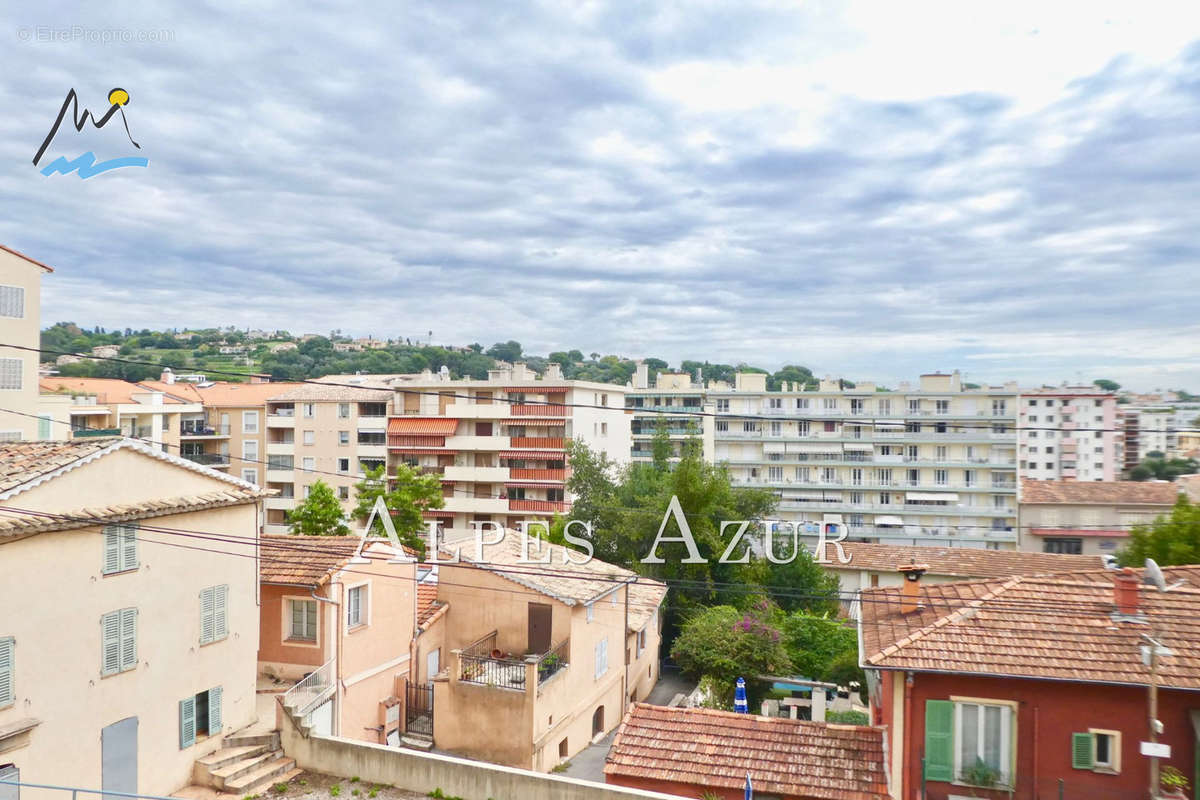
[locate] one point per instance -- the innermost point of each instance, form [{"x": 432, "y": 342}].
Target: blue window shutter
[
  {"x": 939, "y": 740},
  {"x": 110, "y": 647},
  {"x": 187, "y": 723},
  {"x": 214, "y": 710},
  {"x": 128, "y": 638},
  {"x": 112, "y": 549},
  {"x": 207, "y": 620},
  {"x": 7, "y": 668},
  {"x": 220, "y": 604},
  {"x": 129, "y": 554}
]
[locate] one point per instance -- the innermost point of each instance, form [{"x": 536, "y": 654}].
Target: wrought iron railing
[
  {"x": 553, "y": 661},
  {"x": 479, "y": 665}
]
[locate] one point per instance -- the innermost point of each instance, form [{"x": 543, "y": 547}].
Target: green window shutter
[
  {"x": 44, "y": 428},
  {"x": 129, "y": 555},
  {"x": 939, "y": 740},
  {"x": 7, "y": 693},
  {"x": 128, "y": 638},
  {"x": 112, "y": 549},
  {"x": 187, "y": 723},
  {"x": 220, "y": 603},
  {"x": 110, "y": 649},
  {"x": 214, "y": 710},
  {"x": 207, "y": 615},
  {"x": 1081, "y": 751}
]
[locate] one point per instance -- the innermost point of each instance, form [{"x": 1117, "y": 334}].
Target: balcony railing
[
  {"x": 480, "y": 663},
  {"x": 208, "y": 459},
  {"x": 538, "y": 505},
  {"x": 527, "y": 474},
  {"x": 554, "y": 661},
  {"x": 526, "y": 410},
  {"x": 203, "y": 429},
  {"x": 307, "y": 695},
  {"x": 538, "y": 442}
]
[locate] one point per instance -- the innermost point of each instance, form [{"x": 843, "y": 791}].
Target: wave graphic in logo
[{"x": 86, "y": 165}]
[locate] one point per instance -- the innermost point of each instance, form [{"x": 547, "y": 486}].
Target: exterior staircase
[{"x": 246, "y": 764}]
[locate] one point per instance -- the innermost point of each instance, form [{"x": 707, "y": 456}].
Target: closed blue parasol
[{"x": 739, "y": 698}]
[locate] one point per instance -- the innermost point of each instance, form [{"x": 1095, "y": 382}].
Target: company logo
[{"x": 86, "y": 165}]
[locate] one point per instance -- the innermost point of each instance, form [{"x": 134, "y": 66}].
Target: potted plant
[
  {"x": 1172, "y": 784},
  {"x": 980, "y": 774}
]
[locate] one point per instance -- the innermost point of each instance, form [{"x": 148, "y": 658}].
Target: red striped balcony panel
[
  {"x": 404, "y": 440},
  {"x": 541, "y": 442},
  {"x": 532, "y": 485},
  {"x": 528, "y": 474},
  {"x": 539, "y": 410},
  {"x": 440, "y": 426},
  {"x": 423, "y": 451},
  {"x": 535, "y": 455},
  {"x": 438, "y": 514},
  {"x": 541, "y": 423},
  {"x": 548, "y": 506}
]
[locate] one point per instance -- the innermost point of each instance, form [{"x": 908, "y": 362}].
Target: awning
[
  {"x": 773, "y": 447},
  {"x": 422, "y": 451},
  {"x": 805, "y": 447},
  {"x": 535, "y": 455},
  {"x": 888, "y": 520},
  {"x": 533, "y": 485},
  {"x": 948, "y": 497},
  {"x": 535, "y": 389},
  {"x": 438, "y": 513},
  {"x": 860, "y": 447},
  {"x": 440, "y": 426},
  {"x": 535, "y": 422}
]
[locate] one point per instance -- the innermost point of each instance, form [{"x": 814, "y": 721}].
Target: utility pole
[{"x": 1153, "y": 650}]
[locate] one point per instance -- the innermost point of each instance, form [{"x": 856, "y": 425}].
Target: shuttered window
[
  {"x": 187, "y": 722},
  {"x": 119, "y": 641},
  {"x": 120, "y": 548},
  {"x": 214, "y": 711},
  {"x": 10, "y": 373},
  {"x": 7, "y": 668},
  {"x": 12, "y": 302},
  {"x": 214, "y": 624},
  {"x": 939, "y": 740},
  {"x": 1081, "y": 751},
  {"x": 304, "y": 620},
  {"x": 601, "y": 657}
]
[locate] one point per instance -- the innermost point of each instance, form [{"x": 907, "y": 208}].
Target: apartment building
[
  {"x": 124, "y": 656},
  {"x": 1157, "y": 431},
  {"x": 1069, "y": 433},
  {"x": 20, "y": 298},
  {"x": 109, "y": 406},
  {"x": 675, "y": 402},
  {"x": 933, "y": 463},
  {"x": 1089, "y": 518},
  {"x": 499, "y": 444},
  {"x": 321, "y": 432}
]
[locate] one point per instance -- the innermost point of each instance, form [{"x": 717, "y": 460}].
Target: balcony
[
  {"x": 281, "y": 448},
  {"x": 208, "y": 459},
  {"x": 282, "y": 503},
  {"x": 494, "y": 410},
  {"x": 476, "y": 505},
  {"x": 276, "y": 474},
  {"x": 538, "y": 410},
  {"x": 525, "y": 474},
  {"x": 484, "y": 663},
  {"x": 372, "y": 423},
  {"x": 276, "y": 529},
  {"x": 281, "y": 420},
  {"x": 539, "y": 506},
  {"x": 486, "y": 443},
  {"x": 538, "y": 442},
  {"x": 203, "y": 431},
  {"x": 477, "y": 474}
]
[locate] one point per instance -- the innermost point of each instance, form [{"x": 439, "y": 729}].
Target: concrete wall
[
  {"x": 424, "y": 772},
  {"x": 485, "y": 722},
  {"x": 54, "y": 616}
]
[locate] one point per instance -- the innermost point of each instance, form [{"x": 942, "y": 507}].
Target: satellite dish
[
  {"x": 1154, "y": 575},
  {"x": 1109, "y": 560}
]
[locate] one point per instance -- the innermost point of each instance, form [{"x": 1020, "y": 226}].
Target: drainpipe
[
  {"x": 1035, "y": 752},
  {"x": 906, "y": 770},
  {"x": 626, "y": 655},
  {"x": 337, "y": 654}
]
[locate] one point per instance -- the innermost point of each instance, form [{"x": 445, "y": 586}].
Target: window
[
  {"x": 885, "y": 408},
  {"x": 343, "y": 465},
  {"x": 555, "y": 495},
  {"x": 343, "y": 437},
  {"x": 604, "y": 427},
  {"x": 1096, "y": 750},
  {"x": 722, "y": 405},
  {"x": 199, "y": 717},
  {"x": 914, "y": 406},
  {"x": 722, "y": 425},
  {"x": 601, "y": 658},
  {"x": 829, "y": 403},
  {"x": 8, "y": 648},
  {"x": 356, "y": 606},
  {"x": 775, "y": 474},
  {"x": 249, "y": 422},
  {"x": 12, "y": 302},
  {"x": 961, "y": 734},
  {"x": 1068, "y": 545},
  {"x": 1033, "y": 417},
  {"x": 343, "y": 410},
  {"x": 998, "y": 408},
  {"x": 310, "y": 437},
  {"x": 941, "y": 477},
  {"x": 309, "y": 464},
  {"x": 941, "y": 406},
  {"x": 308, "y": 409},
  {"x": 45, "y": 422},
  {"x": 775, "y": 402},
  {"x": 591, "y": 612},
  {"x": 213, "y": 614},
  {"x": 120, "y": 548},
  {"x": 801, "y": 403},
  {"x": 829, "y": 427},
  {"x": 776, "y": 428},
  {"x": 118, "y": 650},
  {"x": 250, "y": 449},
  {"x": 302, "y": 620},
  {"x": 802, "y": 428},
  {"x": 343, "y": 492},
  {"x": 641, "y": 642},
  {"x": 10, "y": 373},
  {"x": 939, "y": 452},
  {"x": 250, "y": 476}
]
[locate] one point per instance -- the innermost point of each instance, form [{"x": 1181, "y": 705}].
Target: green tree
[
  {"x": 506, "y": 351},
  {"x": 814, "y": 643},
  {"x": 411, "y": 493},
  {"x": 1106, "y": 384},
  {"x": 1141, "y": 473},
  {"x": 723, "y": 643},
  {"x": 800, "y": 583},
  {"x": 1170, "y": 539},
  {"x": 319, "y": 515}
]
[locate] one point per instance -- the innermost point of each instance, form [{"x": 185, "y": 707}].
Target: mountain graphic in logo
[{"x": 85, "y": 165}]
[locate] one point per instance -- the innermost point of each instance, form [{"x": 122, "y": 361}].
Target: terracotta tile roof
[
  {"x": 1191, "y": 485},
  {"x": 427, "y": 602},
  {"x": 16, "y": 523},
  {"x": 304, "y": 560},
  {"x": 186, "y": 392},
  {"x": 1099, "y": 492},
  {"x": 106, "y": 390},
  {"x": 716, "y": 749},
  {"x": 238, "y": 395},
  {"x": 313, "y": 392},
  {"x": 19, "y": 254},
  {"x": 23, "y": 462},
  {"x": 957, "y": 562},
  {"x": 440, "y": 426},
  {"x": 570, "y": 583},
  {"x": 1058, "y": 627}
]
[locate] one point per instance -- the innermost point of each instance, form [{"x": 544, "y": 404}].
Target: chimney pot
[
  {"x": 912, "y": 586},
  {"x": 1126, "y": 585}
]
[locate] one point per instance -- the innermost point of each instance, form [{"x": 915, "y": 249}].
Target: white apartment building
[
  {"x": 20, "y": 293},
  {"x": 1157, "y": 431},
  {"x": 1069, "y": 433},
  {"x": 931, "y": 464},
  {"x": 674, "y": 401},
  {"x": 499, "y": 444}
]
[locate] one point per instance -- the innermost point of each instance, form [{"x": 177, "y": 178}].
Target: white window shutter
[
  {"x": 129, "y": 638},
  {"x": 7, "y": 693},
  {"x": 220, "y": 602},
  {"x": 207, "y": 614},
  {"x": 129, "y": 554},
  {"x": 110, "y": 650},
  {"x": 214, "y": 710},
  {"x": 112, "y": 549},
  {"x": 187, "y": 723}
]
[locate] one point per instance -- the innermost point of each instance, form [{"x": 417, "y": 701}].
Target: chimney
[
  {"x": 167, "y": 376},
  {"x": 912, "y": 586},
  {"x": 553, "y": 372},
  {"x": 1125, "y": 591}
]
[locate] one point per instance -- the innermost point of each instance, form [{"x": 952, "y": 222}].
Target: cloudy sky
[{"x": 869, "y": 189}]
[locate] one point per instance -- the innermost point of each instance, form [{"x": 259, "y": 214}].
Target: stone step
[
  {"x": 263, "y": 786},
  {"x": 416, "y": 741},
  {"x": 262, "y": 776},
  {"x": 230, "y": 772},
  {"x": 202, "y": 770},
  {"x": 270, "y": 739}
]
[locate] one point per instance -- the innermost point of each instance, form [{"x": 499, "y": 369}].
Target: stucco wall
[
  {"x": 277, "y": 655},
  {"x": 55, "y": 621},
  {"x": 488, "y": 723},
  {"x": 24, "y": 331}
]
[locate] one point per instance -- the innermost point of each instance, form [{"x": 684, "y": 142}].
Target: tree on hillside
[
  {"x": 1106, "y": 384},
  {"x": 509, "y": 351},
  {"x": 1170, "y": 539},
  {"x": 319, "y": 515},
  {"x": 411, "y": 493},
  {"x": 792, "y": 374}
]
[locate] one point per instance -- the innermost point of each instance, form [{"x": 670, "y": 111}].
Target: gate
[{"x": 418, "y": 709}]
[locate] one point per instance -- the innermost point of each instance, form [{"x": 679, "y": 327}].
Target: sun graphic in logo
[{"x": 118, "y": 97}]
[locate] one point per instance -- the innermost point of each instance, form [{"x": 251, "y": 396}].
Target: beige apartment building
[
  {"x": 20, "y": 314},
  {"x": 108, "y": 406},
  {"x": 675, "y": 403},
  {"x": 141, "y": 655},
  {"x": 499, "y": 444},
  {"x": 1089, "y": 518},
  {"x": 321, "y": 432},
  {"x": 933, "y": 463},
  {"x": 1069, "y": 433}
]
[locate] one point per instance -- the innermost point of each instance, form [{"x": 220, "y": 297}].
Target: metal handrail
[
  {"x": 311, "y": 691},
  {"x": 75, "y": 789}
]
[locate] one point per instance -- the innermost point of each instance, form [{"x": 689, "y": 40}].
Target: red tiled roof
[
  {"x": 19, "y": 254},
  {"x": 957, "y": 562},
  {"x": 304, "y": 560},
  {"x": 440, "y": 426},
  {"x": 1099, "y": 492},
  {"x": 1057, "y": 627},
  {"x": 427, "y": 602},
  {"x": 716, "y": 749}
]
